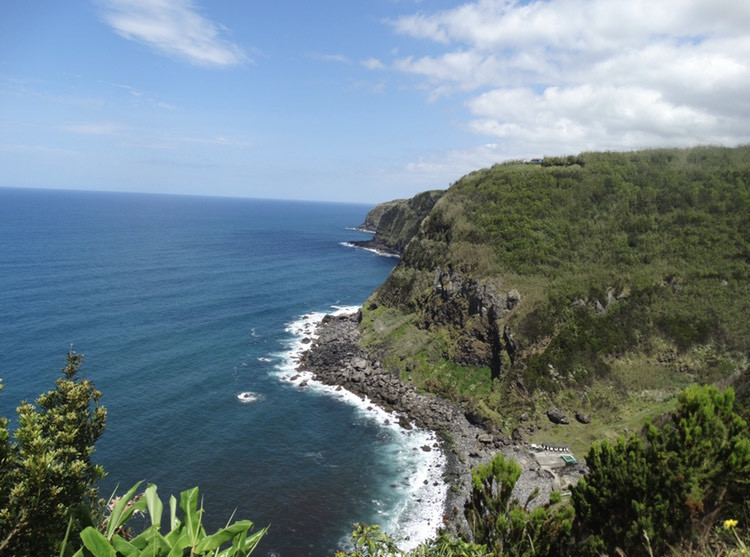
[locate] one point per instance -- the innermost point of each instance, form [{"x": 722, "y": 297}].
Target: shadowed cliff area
[{"x": 593, "y": 286}]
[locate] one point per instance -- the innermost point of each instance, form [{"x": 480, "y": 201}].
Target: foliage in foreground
[
  {"x": 48, "y": 495},
  {"x": 672, "y": 483},
  {"x": 187, "y": 534},
  {"x": 506, "y": 527},
  {"x": 675, "y": 490}
]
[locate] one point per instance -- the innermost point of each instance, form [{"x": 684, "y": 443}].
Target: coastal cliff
[
  {"x": 594, "y": 286},
  {"x": 536, "y": 309}
]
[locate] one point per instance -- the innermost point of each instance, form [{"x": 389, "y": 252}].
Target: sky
[{"x": 354, "y": 100}]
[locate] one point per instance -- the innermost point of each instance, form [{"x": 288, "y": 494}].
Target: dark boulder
[
  {"x": 556, "y": 416},
  {"x": 583, "y": 418}
]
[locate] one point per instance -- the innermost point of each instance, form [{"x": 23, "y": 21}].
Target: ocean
[{"x": 180, "y": 304}]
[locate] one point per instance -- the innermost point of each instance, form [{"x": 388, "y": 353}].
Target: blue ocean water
[{"x": 181, "y": 303}]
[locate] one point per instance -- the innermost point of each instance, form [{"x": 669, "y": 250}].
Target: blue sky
[{"x": 361, "y": 101}]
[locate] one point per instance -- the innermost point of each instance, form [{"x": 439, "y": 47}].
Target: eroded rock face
[
  {"x": 473, "y": 308},
  {"x": 475, "y": 297}
]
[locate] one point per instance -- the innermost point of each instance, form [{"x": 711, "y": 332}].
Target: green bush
[
  {"x": 670, "y": 483},
  {"x": 504, "y": 526}
]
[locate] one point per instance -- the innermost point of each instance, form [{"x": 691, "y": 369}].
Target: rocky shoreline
[
  {"x": 335, "y": 358},
  {"x": 377, "y": 246}
]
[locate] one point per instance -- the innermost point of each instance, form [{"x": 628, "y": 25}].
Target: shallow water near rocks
[{"x": 181, "y": 304}]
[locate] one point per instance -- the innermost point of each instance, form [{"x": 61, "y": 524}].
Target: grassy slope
[{"x": 661, "y": 238}]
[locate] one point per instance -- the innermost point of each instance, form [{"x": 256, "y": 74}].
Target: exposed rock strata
[
  {"x": 335, "y": 358},
  {"x": 474, "y": 308}
]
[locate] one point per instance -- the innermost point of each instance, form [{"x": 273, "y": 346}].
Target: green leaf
[
  {"x": 174, "y": 522},
  {"x": 150, "y": 537},
  {"x": 237, "y": 543},
  {"x": 96, "y": 543},
  {"x": 216, "y": 540},
  {"x": 154, "y": 505},
  {"x": 180, "y": 545},
  {"x": 121, "y": 512},
  {"x": 124, "y": 547},
  {"x": 64, "y": 545},
  {"x": 191, "y": 514},
  {"x": 252, "y": 542}
]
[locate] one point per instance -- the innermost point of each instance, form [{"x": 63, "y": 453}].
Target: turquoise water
[{"x": 181, "y": 303}]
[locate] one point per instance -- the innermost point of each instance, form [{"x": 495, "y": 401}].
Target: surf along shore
[{"x": 334, "y": 358}]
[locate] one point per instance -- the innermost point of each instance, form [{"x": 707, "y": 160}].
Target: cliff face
[
  {"x": 396, "y": 222},
  {"x": 557, "y": 277}
]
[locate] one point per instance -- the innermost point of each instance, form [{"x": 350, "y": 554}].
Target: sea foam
[
  {"x": 373, "y": 250},
  {"x": 418, "y": 459}
]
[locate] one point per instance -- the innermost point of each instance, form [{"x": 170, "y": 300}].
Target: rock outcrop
[{"x": 474, "y": 308}]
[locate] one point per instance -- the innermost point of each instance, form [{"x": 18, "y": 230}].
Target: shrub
[{"x": 670, "y": 483}]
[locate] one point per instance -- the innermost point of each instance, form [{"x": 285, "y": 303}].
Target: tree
[
  {"x": 669, "y": 485},
  {"x": 47, "y": 475},
  {"x": 504, "y": 526}
]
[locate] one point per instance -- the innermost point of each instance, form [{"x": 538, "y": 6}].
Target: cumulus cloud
[
  {"x": 172, "y": 27},
  {"x": 559, "y": 76}
]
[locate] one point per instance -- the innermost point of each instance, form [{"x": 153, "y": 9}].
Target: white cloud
[
  {"x": 172, "y": 27},
  {"x": 373, "y": 64},
  {"x": 558, "y": 76},
  {"x": 93, "y": 128},
  {"x": 34, "y": 149}
]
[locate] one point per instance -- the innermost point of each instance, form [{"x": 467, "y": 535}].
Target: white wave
[
  {"x": 420, "y": 512},
  {"x": 373, "y": 250},
  {"x": 264, "y": 359},
  {"x": 248, "y": 396}
]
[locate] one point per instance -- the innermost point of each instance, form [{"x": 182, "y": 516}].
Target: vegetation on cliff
[{"x": 601, "y": 283}]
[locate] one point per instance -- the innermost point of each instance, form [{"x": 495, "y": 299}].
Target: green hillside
[{"x": 601, "y": 283}]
